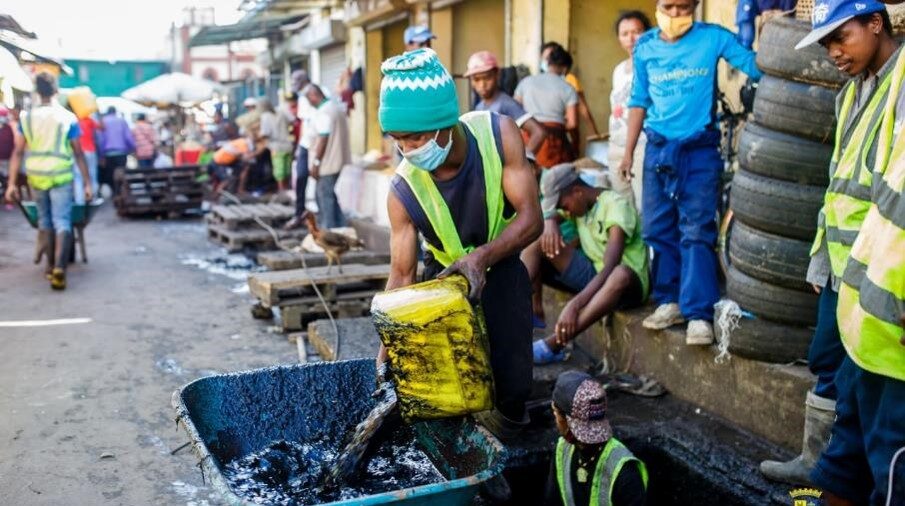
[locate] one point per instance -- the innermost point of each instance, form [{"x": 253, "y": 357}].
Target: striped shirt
[{"x": 145, "y": 140}]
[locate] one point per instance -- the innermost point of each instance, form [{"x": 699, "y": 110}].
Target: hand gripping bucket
[{"x": 438, "y": 349}]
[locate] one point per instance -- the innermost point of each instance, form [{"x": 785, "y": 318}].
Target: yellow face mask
[{"x": 676, "y": 27}]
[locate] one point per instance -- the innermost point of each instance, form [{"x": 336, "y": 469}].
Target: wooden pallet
[
  {"x": 252, "y": 237},
  {"x": 296, "y": 315},
  {"x": 160, "y": 191},
  {"x": 275, "y": 288},
  {"x": 357, "y": 338},
  {"x": 235, "y": 217},
  {"x": 284, "y": 260}
]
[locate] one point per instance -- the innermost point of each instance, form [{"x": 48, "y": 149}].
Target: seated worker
[
  {"x": 484, "y": 73},
  {"x": 590, "y": 466},
  {"x": 609, "y": 271},
  {"x": 232, "y": 156}
]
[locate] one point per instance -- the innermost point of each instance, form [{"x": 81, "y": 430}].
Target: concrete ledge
[{"x": 766, "y": 399}]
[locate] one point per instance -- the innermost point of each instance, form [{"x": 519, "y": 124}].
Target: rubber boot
[
  {"x": 44, "y": 247},
  {"x": 61, "y": 253},
  {"x": 505, "y": 429},
  {"x": 819, "y": 414}
]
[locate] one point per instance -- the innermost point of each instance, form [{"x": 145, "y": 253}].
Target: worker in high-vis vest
[
  {"x": 857, "y": 35},
  {"x": 863, "y": 462},
  {"x": 465, "y": 185},
  {"x": 48, "y": 141},
  {"x": 589, "y": 465}
]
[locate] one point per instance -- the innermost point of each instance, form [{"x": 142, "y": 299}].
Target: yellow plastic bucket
[{"x": 438, "y": 349}]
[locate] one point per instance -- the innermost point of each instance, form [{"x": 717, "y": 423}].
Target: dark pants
[
  {"x": 331, "y": 216},
  {"x": 111, "y": 163},
  {"x": 145, "y": 163},
  {"x": 506, "y": 302},
  {"x": 301, "y": 179},
  {"x": 681, "y": 192},
  {"x": 826, "y": 353},
  {"x": 868, "y": 432}
]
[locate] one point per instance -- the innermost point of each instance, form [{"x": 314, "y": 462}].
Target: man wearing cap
[
  {"x": 590, "y": 466},
  {"x": 858, "y": 37},
  {"x": 484, "y": 73},
  {"x": 464, "y": 184},
  {"x": 607, "y": 272},
  {"x": 417, "y": 36}
]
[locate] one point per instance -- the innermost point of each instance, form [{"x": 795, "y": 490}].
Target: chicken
[{"x": 334, "y": 244}]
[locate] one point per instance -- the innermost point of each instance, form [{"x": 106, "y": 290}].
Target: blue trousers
[
  {"x": 679, "y": 197},
  {"x": 869, "y": 430},
  {"x": 331, "y": 216},
  {"x": 826, "y": 353},
  {"x": 55, "y": 208}
]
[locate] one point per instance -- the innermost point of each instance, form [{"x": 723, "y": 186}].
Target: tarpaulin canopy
[
  {"x": 12, "y": 74},
  {"x": 173, "y": 89}
]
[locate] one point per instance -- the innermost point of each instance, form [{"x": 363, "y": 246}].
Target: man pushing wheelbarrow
[{"x": 50, "y": 134}]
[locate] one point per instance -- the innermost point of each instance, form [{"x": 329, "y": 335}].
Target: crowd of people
[{"x": 496, "y": 197}]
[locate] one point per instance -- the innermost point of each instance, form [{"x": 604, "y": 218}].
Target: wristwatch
[{"x": 316, "y": 162}]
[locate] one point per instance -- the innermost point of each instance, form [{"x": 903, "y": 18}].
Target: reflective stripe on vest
[
  {"x": 612, "y": 459},
  {"x": 435, "y": 208},
  {"x": 848, "y": 195},
  {"x": 872, "y": 294},
  {"x": 48, "y": 161}
]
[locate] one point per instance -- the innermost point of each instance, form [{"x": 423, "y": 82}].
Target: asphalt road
[{"x": 85, "y": 414}]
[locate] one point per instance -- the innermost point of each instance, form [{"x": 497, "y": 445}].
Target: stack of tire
[{"x": 784, "y": 157}]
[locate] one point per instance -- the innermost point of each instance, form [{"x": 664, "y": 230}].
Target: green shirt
[{"x": 612, "y": 209}]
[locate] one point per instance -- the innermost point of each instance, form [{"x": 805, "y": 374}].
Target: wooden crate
[
  {"x": 235, "y": 217},
  {"x": 279, "y": 287},
  {"x": 357, "y": 338},
  {"x": 296, "y": 315},
  {"x": 284, "y": 260},
  {"x": 158, "y": 191},
  {"x": 252, "y": 237}
]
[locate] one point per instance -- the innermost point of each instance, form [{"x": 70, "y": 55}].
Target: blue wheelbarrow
[
  {"x": 81, "y": 216},
  {"x": 233, "y": 415}
]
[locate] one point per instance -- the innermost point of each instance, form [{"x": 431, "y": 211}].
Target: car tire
[
  {"x": 783, "y": 156},
  {"x": 769, "y": 258},
  {"x": 771, "y": 302},
  {"x": 766, "y": 341},
  {"x": 777, "y": 56},
  {"x": 780, "y": 207},
  {"x": 805, "y": 110}
]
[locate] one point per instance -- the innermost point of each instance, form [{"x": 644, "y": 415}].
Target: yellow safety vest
[
  {"x": 435, "y": 208},
  {"x": 48, "y": 160},
  {"x": 872, "y": 294},
  {"x": 848, "y": 195},
  {"x": 613, "y": 458}
]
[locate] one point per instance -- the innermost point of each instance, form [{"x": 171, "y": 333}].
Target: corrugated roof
[{"x": 254, "y": 28}]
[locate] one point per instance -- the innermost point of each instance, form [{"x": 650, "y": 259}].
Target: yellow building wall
[
  {"x": 442, "y": 26},
  {"x": 596, "y": 52},
  {"x": 556, "y": 20},
  {"x": 373, "y": 59},
  {"x": 477, "y": 25},
  {"x": 526, "y": 32}
]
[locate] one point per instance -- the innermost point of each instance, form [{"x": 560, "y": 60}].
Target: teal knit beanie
[{"x": 417, "y": 93}]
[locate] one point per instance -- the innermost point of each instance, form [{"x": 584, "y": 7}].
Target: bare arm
[
  {"x": 571, "y": 126},
  {"x": 536, "y": 134},
  {"x": 585, "y": 111},
  {"x": 403, "y": 252},
  {"x": 520, "y": 189},
  {"x": 320, "y": 147},
  {"x": 635, "y": 122},
  {"x": 15, "y": 164}
]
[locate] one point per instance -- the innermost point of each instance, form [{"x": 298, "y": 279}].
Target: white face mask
[{"x": 430, "y": 156}]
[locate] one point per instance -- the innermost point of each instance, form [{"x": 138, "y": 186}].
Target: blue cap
[
  {"x": 418, "y": 33},
  {"x": 831, "y": 14}
]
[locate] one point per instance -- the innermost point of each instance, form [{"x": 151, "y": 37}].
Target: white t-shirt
[
  {"x": 622, "y": 91},
  {"x": 330, "y": 121}
]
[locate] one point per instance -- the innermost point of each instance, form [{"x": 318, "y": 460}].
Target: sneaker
[
  {"x": 58, "y": 279},
  {"x": 699, "y": 333},
  {"x": 543, "y": 355},
  {"x": 664, "y": 317}
]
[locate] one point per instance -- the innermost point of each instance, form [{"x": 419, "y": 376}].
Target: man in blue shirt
[{"x": 673, "y": 98}]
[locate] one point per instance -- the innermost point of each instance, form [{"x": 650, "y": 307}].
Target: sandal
[{"x": 544, "y": 355}]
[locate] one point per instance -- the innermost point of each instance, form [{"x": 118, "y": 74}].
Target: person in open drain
[
  {"x": 589, "y": 465},
  {"x": 465, "y": 185}
]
